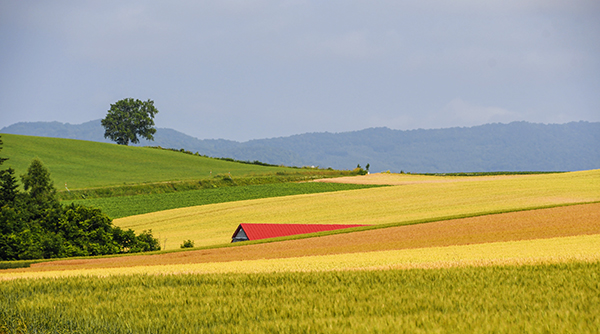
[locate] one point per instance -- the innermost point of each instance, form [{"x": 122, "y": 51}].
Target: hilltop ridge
[{"x": 517, "y": 146}]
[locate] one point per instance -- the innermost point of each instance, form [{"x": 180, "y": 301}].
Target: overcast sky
[{"x": 244, "y": 69}]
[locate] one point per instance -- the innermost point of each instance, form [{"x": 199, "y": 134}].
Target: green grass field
[
  {"x": 551, "y": 298},
  {"x": 118, "y": 207},
  {"x": 83, "y": 164}
]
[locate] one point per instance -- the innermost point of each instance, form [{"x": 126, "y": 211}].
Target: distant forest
[{"x": 517, "y": 146}]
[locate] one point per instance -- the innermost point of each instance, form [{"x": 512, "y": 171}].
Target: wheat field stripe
[
  {"x": 525, "y": 225},
  {"x": 584, "y": 248}
]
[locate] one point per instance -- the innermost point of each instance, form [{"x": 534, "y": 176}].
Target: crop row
[
  {"x": 117, "y": 207},
  {"x": 502, "y": 299}
]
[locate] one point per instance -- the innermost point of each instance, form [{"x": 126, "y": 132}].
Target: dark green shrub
[{"x": 187, "y": 244}]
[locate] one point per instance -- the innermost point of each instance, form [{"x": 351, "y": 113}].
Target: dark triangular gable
[{"x": 239, "y": 235}]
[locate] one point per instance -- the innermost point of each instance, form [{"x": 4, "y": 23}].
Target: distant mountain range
[{"x": 517, "y": 146}]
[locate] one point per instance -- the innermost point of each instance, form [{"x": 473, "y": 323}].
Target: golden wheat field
[
  {"x": 535, "y": 236},
  {"x": 412, "y": 197}
]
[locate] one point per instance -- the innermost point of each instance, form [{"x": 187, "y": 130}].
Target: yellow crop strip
[
  {"x": 556, "y": 250},
  {"x": 419, "y": 197}
]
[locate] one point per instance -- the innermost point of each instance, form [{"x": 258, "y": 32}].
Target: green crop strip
[
  {"x": 501, "y": 299},
  {"x": 218, "y": 181},
  {"x": 117, "y": 207}
]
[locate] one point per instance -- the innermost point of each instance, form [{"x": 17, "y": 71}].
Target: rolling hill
[
  {"x": 517, "y": 146},
  {"x": 85, "y": 164}
]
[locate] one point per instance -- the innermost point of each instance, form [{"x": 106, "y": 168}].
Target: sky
[{"x": 252, "y": 69}]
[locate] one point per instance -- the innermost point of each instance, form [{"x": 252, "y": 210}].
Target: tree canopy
[
  {"x": 37, "y": 181},
  {"x": 34, "y": 224},
  {"x": 128, "y": 118}
]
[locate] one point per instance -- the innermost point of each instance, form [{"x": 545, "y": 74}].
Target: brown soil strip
[{"x": 525, "y": 225}]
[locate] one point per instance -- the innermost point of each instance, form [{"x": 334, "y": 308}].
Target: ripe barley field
[{"x": 552, "y": 298}]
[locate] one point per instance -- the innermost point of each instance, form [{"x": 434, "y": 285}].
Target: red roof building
[{"x": 263, "y": 231}]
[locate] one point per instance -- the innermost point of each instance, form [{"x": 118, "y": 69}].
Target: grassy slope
[
  {"x": 213, "y": 224},
  {"x": 83, "y": 164}
]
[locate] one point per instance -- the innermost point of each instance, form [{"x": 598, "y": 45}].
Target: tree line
[{"x": 34, "y": 224}]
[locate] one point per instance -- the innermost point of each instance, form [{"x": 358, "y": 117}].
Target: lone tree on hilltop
[{"x": 129, "y": 118}]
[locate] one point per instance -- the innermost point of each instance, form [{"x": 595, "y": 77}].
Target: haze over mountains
[{"x": 517, "y": 146}]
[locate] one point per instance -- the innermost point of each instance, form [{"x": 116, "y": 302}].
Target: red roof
[{"x": 264, "y": 231}]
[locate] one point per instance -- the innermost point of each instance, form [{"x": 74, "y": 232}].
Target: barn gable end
[{"x": 239, "y": 235}]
